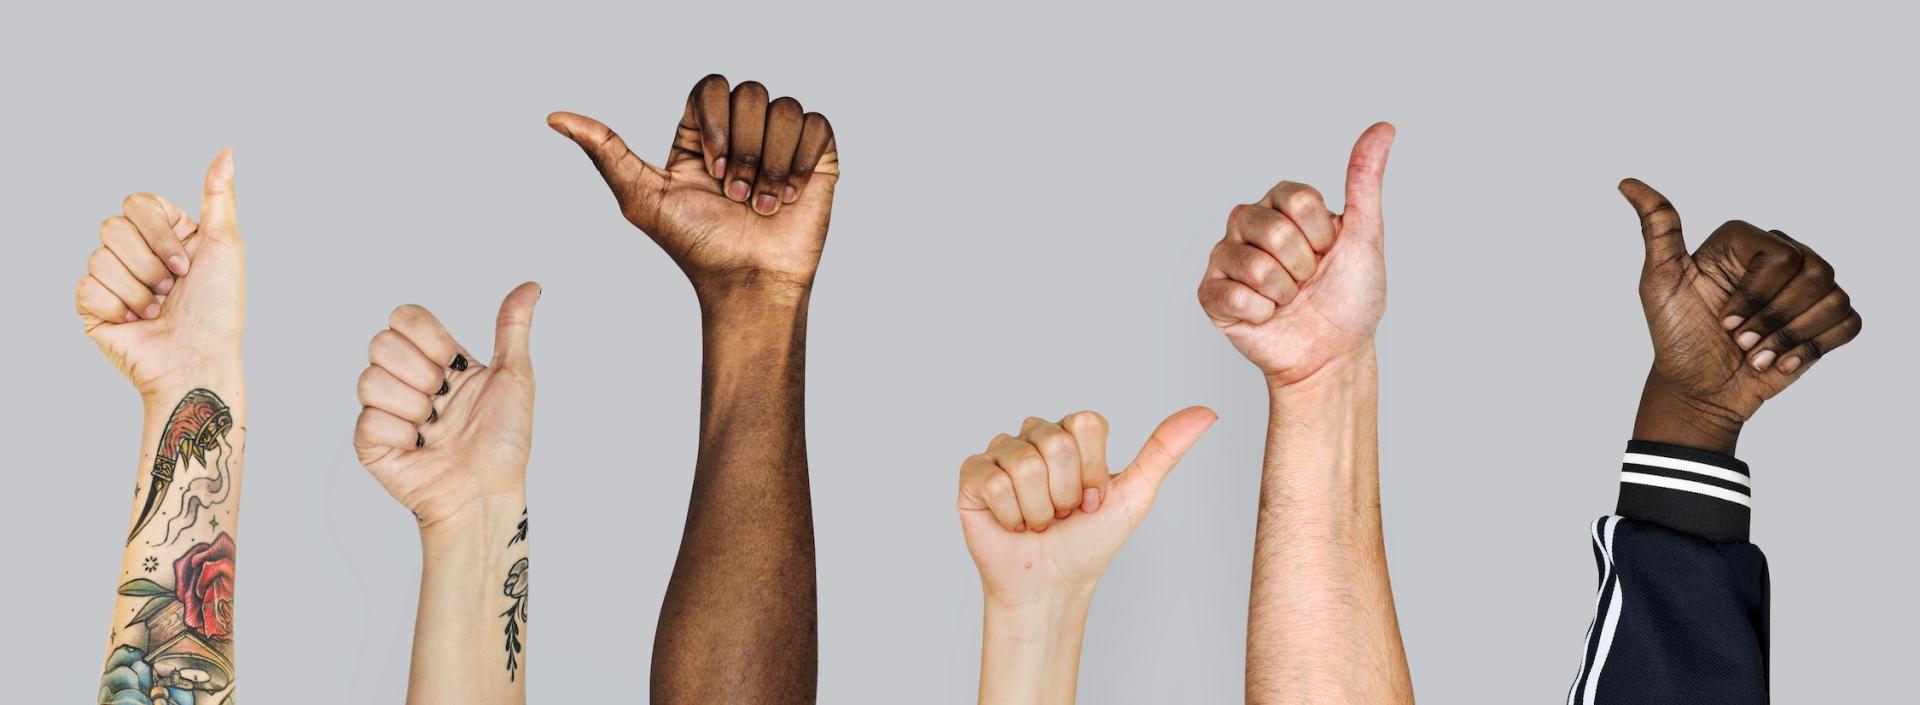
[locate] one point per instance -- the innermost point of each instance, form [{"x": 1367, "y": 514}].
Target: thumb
[
  {"x": 1162, "y": 451},
  {"x": 217, "y": 215},
  {"x": 635, "y": 183},
  {"x": 1659, "y": 222},
  {"x": 1366, "y": 169},
  {"x": 512, "y": 328}
]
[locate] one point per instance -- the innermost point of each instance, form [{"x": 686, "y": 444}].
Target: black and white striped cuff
[{"x": 1701, "y": 493}]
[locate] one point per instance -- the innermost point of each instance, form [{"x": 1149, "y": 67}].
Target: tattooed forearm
[
  {"x": 515, "y": 588},
  {"x": 199, "y": 424}
]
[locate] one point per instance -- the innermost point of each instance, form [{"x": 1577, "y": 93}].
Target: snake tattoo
[{"x": 198, "y": 424}]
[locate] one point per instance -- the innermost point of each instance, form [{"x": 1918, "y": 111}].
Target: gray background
[{"x": 1030, "y": 196}]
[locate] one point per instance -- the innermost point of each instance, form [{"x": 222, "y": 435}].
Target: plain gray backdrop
[{"x": 1029, "y": 199}]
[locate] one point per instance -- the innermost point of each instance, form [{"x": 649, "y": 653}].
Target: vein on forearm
[{"x": 743, "y": 588}]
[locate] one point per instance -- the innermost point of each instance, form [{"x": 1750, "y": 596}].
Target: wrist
[
  {"x": 752, "y": 292},
  {"x": 220, "y": 374},
  {"x": 1667, "y": 415},
  {"x": 489, "y": 523},
  {"x": 1338, "y": 378}
]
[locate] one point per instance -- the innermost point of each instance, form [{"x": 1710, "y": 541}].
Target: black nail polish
[
  {"x": 459, "y": 363},
  {"x": 433, "y": 416},
  {"x": 419, "y": 440},
  {"x": 444, "y": 387}
]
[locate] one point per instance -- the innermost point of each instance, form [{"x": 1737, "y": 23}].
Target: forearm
[
  {"x": 1030, "y": 653},
  {"x": 743, "y": 586},
  {"x": 173, "y": 618},
  {"x": 1321, "y": 627},
  {"x": 468, "y": 640}
]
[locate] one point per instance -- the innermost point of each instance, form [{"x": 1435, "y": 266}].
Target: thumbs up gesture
[
  {"x": 439, "y": 430},
  {"x": 1041, "y": 514},
  {"x": 743, "y": 198},
  {"x": 1295, "y": 286},
  {"x": 1738, "y": 320},
  {"x": 164, "y": 296}
]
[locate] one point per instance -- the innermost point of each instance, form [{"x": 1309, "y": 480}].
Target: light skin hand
[
  {"x": 1733, "y": 324},
  {"x": 1043, "y": 519}
]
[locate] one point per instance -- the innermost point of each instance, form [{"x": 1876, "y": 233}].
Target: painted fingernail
[
  {"x": 1747, "y": 340},
  {"x": 1732, "y": 322},
  {"x": 419, "y": 440},
  {"x": 444, "y": 387},
  {"x": 131, "y": 318},
  {"x": 1090, "y": 499},
  {"x": 433, "y": 415},
  {"x": 737, "y": 190},
  {"x": 153, "y": 311},
  {"x": 178, "y": 263},
  {"x": 720, "y": 167},
  {"x": 164, "y": 286},
  {"x": 1790, "y": 364},
  {"x": 459, "y": 362},
  {"x": 1762, "y": 360},
  {"x": 765, "y": 203}
]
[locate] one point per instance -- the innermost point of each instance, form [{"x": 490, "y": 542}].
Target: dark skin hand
[
  {"x": 742, "y": 206},
  {"x": 1734, "y": 323}
]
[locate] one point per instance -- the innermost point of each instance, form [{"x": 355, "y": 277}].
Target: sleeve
[{"x": 1681, "y": 615}]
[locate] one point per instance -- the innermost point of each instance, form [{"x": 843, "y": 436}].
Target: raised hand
[
  {"x": 1295, "y": 286},
  {"x": 744, "y": 197},
  {"x": 442, "y": 432},
  {"x": 163, "y": 294},
  {"x": 1041, "y": 515},
  {"x": 1735, "y": 322}
]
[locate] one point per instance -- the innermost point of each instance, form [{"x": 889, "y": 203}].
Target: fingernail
[
  {"x": 433, "y": 415},
  {"x": 1762, "y": 360},
  {"x": 1061, "y": 513},
  {"x": 1790, "y": 364},
  {"x": 444, "y": 387},
  {"x": 719, "y": 167},
  {"x": 153, "y": 311},
  {"x": 131, "y": 318},
  {"x": 765, "y": 203},
  {"x": 419, "y": 440},
  {"x": 1021, "y": 527},
  {"x": 1039, "y": 529},
  {"x": 1748, "y": 339},
  {"x": 790, "y": 195},
  {"x": 737, "y": 191},
  {"x": 178, "y": 263},
  {"x": 459, "y": 363},
  {"x": 164, "y": 286},
  {"x": 1090, "y": 499},
  {"x": 1731, "y": 322}
]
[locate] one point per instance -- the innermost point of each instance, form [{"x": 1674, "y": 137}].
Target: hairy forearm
[
  {"x": 742, "y": 590},
  {"x": 469, "y": 636},
  {"x": 173, "y": 618},
  {"x": 1321, "y": 626},
  {"x": 1030, "y": 653}
]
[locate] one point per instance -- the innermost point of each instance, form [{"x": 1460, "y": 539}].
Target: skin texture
[
  {"x": 1043, "y": 519},
  {"x": 1299, "y": 291},
  {"x": 742, "y": 205},
  {"x": 1733, "y": 324},
  {"x": 164, "y": 298},
  {"x": 449, "y": 438}
]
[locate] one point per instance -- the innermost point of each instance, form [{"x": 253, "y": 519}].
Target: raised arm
[
  {"x": 449, "y": 438},
  {"x": 741, "y": 204},
  {"x": 1299, "y": 291},
  {"x": 1682, "y": 612},
  {"x": 1043, "y": 519},
  {"x": 164, "y": 298}
]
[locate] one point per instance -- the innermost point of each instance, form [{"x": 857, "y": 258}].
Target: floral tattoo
[
  {"x": 515, "y": 588},
  {"x": 182, "y": 650}
]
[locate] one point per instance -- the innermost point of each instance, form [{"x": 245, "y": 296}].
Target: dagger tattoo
[{"x": 197, "y": 424}]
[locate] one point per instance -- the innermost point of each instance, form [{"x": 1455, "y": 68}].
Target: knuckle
[
  {"x": 1750, "y": 301},
  {"x": 750, "y": 89},
  {"x": 773, "y": 175},
  {"x": 1771, "y": 320},
  {"x": 1303, "y": 198},
  {"x": 998, "y": 487},
  {"x": 139, "y": 200},
  {"x": 787, "y": 104},
  {"x": 101, "y": 260},
  {"x": 1080, "y": 422},
  {"x": 405, "y": 314},
  {"x": 1787, "y": 339}
]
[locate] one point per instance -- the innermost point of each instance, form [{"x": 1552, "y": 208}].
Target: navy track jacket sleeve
[{"x": 1682, "y": 612}]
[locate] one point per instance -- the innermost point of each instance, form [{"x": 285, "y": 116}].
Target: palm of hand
[
  {"x": 1693, "y": 352},
  {"x": 1335, "y": 313},
  {"x": 200, "y": 318},
  {"x": 484, "y": 436},
  {"x": 711, "y": 236}
]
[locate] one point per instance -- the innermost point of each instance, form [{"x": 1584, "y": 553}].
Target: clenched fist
[
  {"x": 1295, "y": 286},
  {"x": 162, "y": 294},
  {"x": 1041, "y": 515},
  {"x": 440, "y": 431},
  {"x": 1735, "y": 322},
  {"x": 745, "y": 194}
]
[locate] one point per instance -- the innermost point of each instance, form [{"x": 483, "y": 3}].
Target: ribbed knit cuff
[{"x": 1685, "y": 489}]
